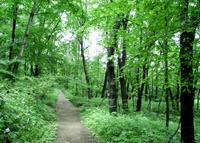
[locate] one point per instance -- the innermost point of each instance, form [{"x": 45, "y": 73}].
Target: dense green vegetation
[
  {"x": 145, "y": 126},
  {"x": 26, "y": 109},
  {"x": 141, "y": 57}
]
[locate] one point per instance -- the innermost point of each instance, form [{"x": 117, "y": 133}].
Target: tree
[
  {"x": 112, "y": 95},
  {"x": 15, "y": 8},
  {"x": 25, "y": 36},
  {"x": 187, "y": 37}
]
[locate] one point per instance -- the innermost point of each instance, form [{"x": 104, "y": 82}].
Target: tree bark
[
  {"x": 186, "y": 58},
  {"x": 112, "y": 94},
  {"x": 187, "y": 95},
  {"x": 177, "y": 94},
  {"x": 146, "y": 84},
  {"x": 85, "y": 70},
  {"x": 139, "y": 101},
  {"x": 13, "y": 33},
  {"x": 166, "y": 85},
  {"x": 121, "y": 64},
  {"x": 104, "y": 85},
  {"x": 16, "y": 65}
]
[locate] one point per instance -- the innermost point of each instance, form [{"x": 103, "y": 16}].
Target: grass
[
  {"x": 133, "y": 127},
  {"x": 25, "y": 112}
]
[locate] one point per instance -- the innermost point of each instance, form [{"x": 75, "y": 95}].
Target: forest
[{"x": 132, "y": 66}]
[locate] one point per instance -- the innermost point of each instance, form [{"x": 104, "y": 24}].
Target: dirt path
[{"x": 70, "y": 129}]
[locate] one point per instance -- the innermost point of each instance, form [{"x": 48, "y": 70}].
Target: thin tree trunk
[
  {"x": 160, "y": 101},
  {"x": 85, "y": 70},
  {"x": 172, "y": 98},
  {"x": 13, "y": 33},
  {"x": 32, "y": 73},
  {"x": 166, "y": 74},
  {"x": 156, "y": 96},
  {"x": 25, "y": 67},
  {"x": 16, "y": 65},
  {"x": 104, "y": 85},
  {"x": 77, "y": 70},
  {"x": 139, "y": 101},
  {"x": 198, "y": 100},
  {"x": 177, "y": 94},
  {"x": 138, "y": 89},
  {"x": 146, "y": 84}
]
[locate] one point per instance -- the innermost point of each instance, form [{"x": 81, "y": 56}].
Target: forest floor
[{"x": 70, "y": 128}]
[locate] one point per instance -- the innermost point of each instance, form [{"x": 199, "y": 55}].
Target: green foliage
[
  {"x": 24, "y": 111},
  {"x": 132, "y": 127}
]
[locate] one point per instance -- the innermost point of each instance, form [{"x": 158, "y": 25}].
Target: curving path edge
[{"x": 70, "y": 128}]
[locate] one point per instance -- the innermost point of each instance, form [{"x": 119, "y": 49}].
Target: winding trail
[{"x": 70, "y": 129}]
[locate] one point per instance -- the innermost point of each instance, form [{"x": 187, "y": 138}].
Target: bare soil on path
[{"x": 70, "y": 128}]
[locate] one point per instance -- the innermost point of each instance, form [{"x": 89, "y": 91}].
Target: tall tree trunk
[
  {"x": 138, "y": 89},
  {"x": 112, "y": 94},
  {"x": 16, "y": 65},
  {"x": 166, "y": 86},
  {"x": 77, "y": 68},
  {"x": 85, "y": 70},
  {"x": 139, "y": 101},
  {"x": 13, "y": 33},
  {"x": 104, "y": 85},
  {"x": 177, "y": 94},
  {"x": 186, "y": 58},
  {"x": 156, "y": 94},
  {"x": 187, "y": 94},
  {"x": 146, "y": 84},
  {"x": 166, "y": 71},
  {"x": 121, "y": 64}
]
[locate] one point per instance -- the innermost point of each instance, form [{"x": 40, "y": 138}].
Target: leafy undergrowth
[
  {"x": 25, "y": 114},
  {"x": 132, "y": 127}
]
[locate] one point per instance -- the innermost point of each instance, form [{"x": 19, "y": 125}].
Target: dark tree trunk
[
  {"x": 104, "y": 85},
  {"x": 13, "y": 34},
  {"x": 32, "y": 72},
  {"x": 198, "y": 100},
  {"x": 177, "y": 94},
  {"x": 77, "y": 70},
  {"x": 16, "y": 65},
  {"x": 156, "y": 94},
  {"x": 187, "y": 94},
  {"x": 186, "y": 58},
  {"x": 85, "y": 70},
  {"x": 172, "y": 98},
  {"x": 25, "y": 67},
  {"x": 160, "y": 100},
  {"x": 112, "y": 95},
  {"x": 138, "y": 90},
  {"x": 139, "y": 101},
  {"x": 127, "y": 87},
  {"x": 146, "y": 84},
  {"x": 166, "y": 73},
  {"x": 121, "y": 64},
  {"x": 36, "y": 70}
]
